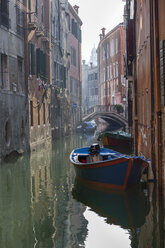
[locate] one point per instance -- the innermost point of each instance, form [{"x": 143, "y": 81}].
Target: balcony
[
  {"x": 45, "y": 37},
  {"x": 32, "y": 21},
  {"x": 39, "y": 32}
]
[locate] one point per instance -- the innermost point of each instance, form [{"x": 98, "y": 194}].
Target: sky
[{"x": 96, "y": 14}]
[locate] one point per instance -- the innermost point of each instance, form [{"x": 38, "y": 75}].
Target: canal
[{"x": 43, "y": 205}]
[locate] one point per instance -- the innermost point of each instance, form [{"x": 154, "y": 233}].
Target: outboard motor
[{"x": 94, "y": 149}]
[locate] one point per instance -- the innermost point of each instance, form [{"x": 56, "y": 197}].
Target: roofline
[
  {"x": 74, "y": 13},
  {"x": 110, "y": 32}
]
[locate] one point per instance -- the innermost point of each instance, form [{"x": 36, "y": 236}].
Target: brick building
[
  {"x": 40, "y": 79},
  {"x": 145, "y": 72},
  {"x": 111, "y": 67},
  {"x": 75, "y": 77},
  {"x": 38, "y": 70}
]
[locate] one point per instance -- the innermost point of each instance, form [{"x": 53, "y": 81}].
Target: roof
[{"x": 72, "y": 10}]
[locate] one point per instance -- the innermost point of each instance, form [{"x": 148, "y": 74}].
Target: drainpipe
[
  {"x": 26, "y": 72},
  {"x": 159, "y": 113},
  {"x": 152, "y": 86},
  {"x": 135, "y": 88}
]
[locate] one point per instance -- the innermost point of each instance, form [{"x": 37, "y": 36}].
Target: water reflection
[
  {"x": 55, "y": 214},
  {"x": 15, "y": 205},
  {"x": 127, "y": 209},
  {"x": 101, "y": 234},
  {"x": 42, "y": 197},
  {"x": 41, "y": 205}
]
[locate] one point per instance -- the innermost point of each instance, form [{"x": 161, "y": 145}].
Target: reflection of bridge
[{"x": 107, "y": 113}]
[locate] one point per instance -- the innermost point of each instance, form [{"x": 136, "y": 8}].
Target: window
[
  {"x": 8, "y": 133},
  {"x": 41, "y": 63},
  {"x": 117, "y": 73},
  {"x": 95, "y": 76},
  {"x": 107, "y": 72},
  {"x": 36, "y": 7},
  {"x": 31, "y": 113},
  {"x": 110, "y": 72},
  {"x": 49, "y": 112},
  {"x": 103, "y": 74},
  {"x": 74, "y": 28},
  {"x": 44, "y": 119},
  {"x": 38, "y": 108},
  {"x": 116, "y": 45},
  {"x": 31, "y": 59},
  {"x": 20, "y": 21},
  {"x": 20, "y": 74},
  {"x": 42, "y": 13},
  {"x": 111, "y": 47},
  {"x": 4, "y": 13},
  {"x": 114, "y": 70},
  {"x": 69, "y": 22},
  {"x": 3, "y": 74},
  {"x": 73, "y": 56}
]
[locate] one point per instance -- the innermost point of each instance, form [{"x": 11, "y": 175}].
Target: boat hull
[
  {"x": 118, "y": 173},
  {"x": 107, "y": 175},
  {"x": 110, "y": 141},
  {"x": 116, "y": 139}
]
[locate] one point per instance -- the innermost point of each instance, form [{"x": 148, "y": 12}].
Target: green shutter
[
  {"x": 29, "y": 57},
  {"x": 32, "y": 60},
  {"x": 38, "y": 61}
]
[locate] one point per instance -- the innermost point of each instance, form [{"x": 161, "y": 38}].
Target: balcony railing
[{"x": 46, "y": 35}]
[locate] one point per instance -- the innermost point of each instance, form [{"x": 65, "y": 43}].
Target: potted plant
[{"x": 119, "y": 108}]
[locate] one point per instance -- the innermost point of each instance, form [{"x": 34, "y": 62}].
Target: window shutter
[
  {"x": 64, "y": 77},
  {"x": 44, "y": 64},
  {"x": 72, "y": 26},
  {"x": 32, "y": 60},
  {"x": 29, "y": 57},
  {"x": 38, "y": 61}
]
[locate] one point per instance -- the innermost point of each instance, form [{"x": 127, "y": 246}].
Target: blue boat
[
  {"x": 107, "y": 168},
  {"x": 87, "y": 127}
]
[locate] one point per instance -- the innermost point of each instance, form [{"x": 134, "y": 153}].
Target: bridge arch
[{"x": 109, "y": 116}]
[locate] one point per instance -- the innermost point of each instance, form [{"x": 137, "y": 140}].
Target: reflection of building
[
  {"x": 57, "y": 219},
  {"x": 111, "y": 66},
  {"x": 14, "y": 122},
  {"x": 43, "y": 208},
  {"x": 16, "y": 226},
  {"x": 75, "y": 77}
]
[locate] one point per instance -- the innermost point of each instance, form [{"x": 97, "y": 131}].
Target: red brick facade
[{"x": 111, "y": 66}]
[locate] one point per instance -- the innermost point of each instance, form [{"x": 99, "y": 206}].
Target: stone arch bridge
[{"x": 107, "y": 113}]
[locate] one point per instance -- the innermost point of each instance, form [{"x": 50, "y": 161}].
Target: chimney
[
  {"x": 101, "y": 36},
  {"x": 103, "y": 32},
  {"x": 91, "y": 65},
  {"x": 76, "y": 8}
]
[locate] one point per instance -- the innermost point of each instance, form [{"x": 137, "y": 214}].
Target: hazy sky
[{"x": 96, "y": 14}]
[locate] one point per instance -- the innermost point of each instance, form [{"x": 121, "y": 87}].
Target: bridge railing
[{"x": 101, "y": 108}]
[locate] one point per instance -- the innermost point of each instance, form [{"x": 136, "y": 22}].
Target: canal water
[{"x": 43, "y": 205}]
